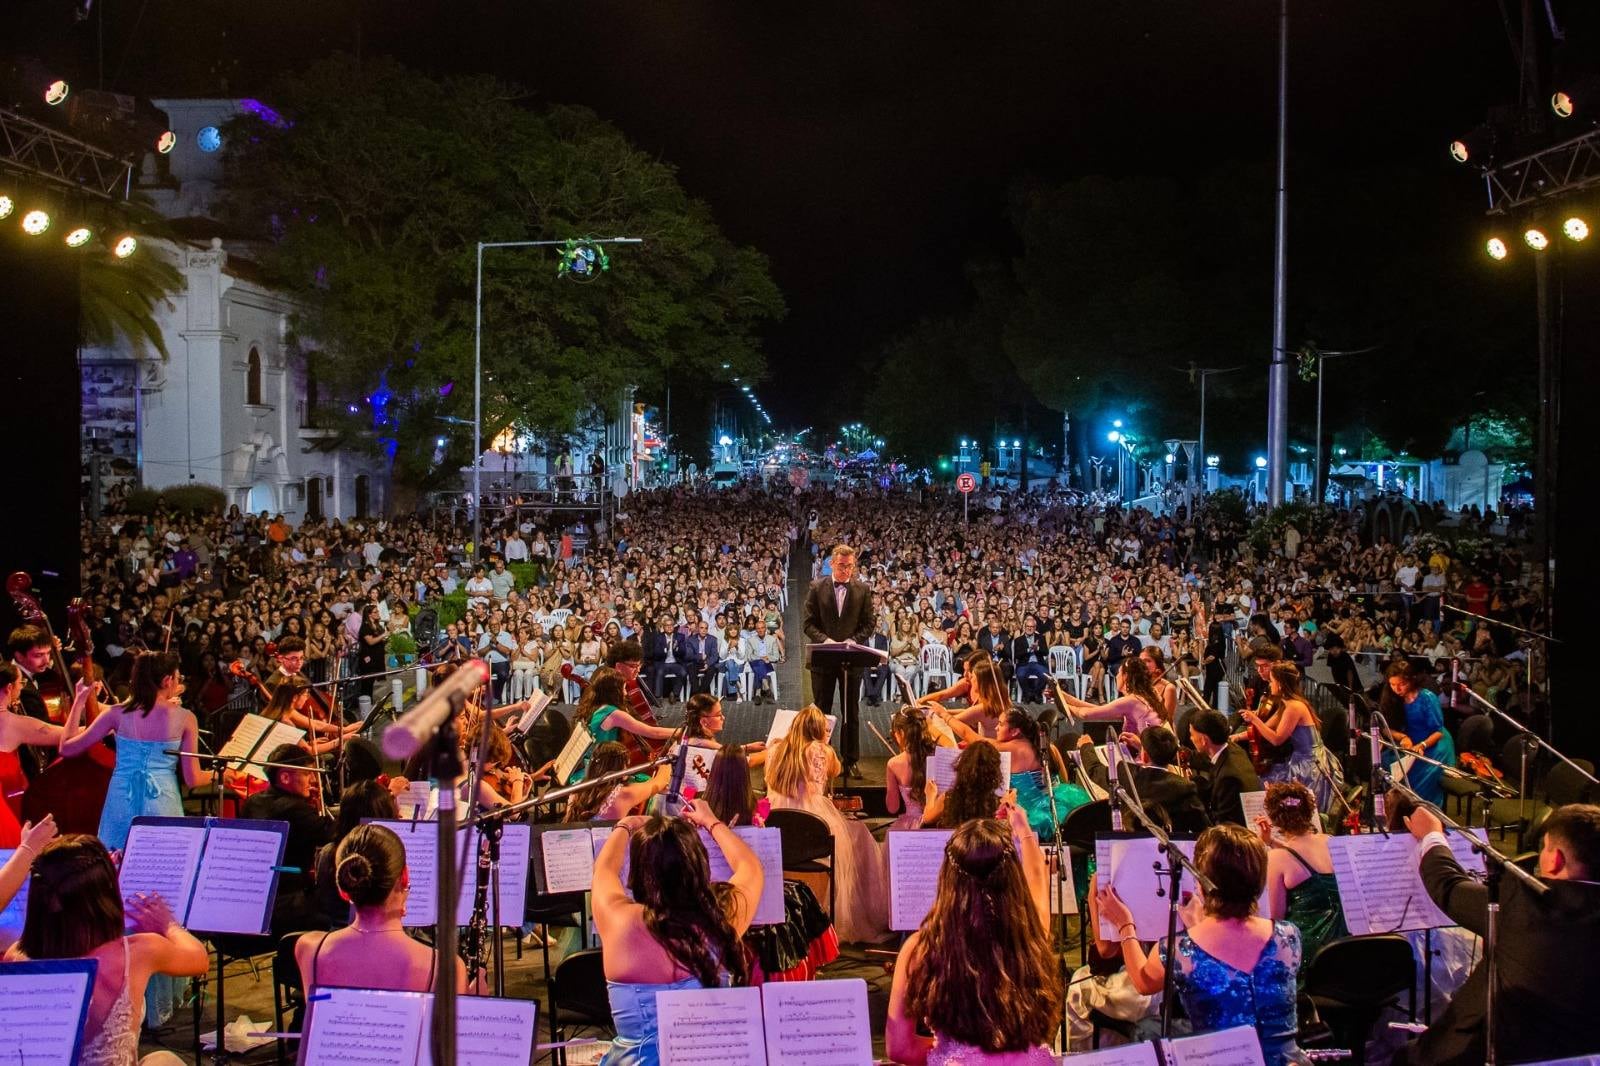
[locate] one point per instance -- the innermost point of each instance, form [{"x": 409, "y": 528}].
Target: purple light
[
  {"x": 352, "y": 408},
  {"x": 447, "y": 388},
  {"x": 264, "y": 113}
]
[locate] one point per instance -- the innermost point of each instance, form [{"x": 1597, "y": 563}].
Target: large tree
[{"x": 372, "y": 194}]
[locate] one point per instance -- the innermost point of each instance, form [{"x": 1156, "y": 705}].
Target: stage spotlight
[
  {"x": 166, "y": 142},
  {"x": 35, "y": 223},
  {"x": 56, "y": 92},
  {"x": 1536, "y": 239},
  {"x": 7, "y": 205},
  {"x": 1575, "y": 228},
  {"x": 1561, "y": 104},
  {"x": 79, "y": 237},
  {"x": 125, "y": 247},
  {"x": 1477, "y": 146},
  {"x": 1496, "y": 248}
]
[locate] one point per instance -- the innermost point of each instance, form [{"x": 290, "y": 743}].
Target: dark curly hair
[
  {"x": 687, "y": 915},
  {"x": 973, "y": 794}
]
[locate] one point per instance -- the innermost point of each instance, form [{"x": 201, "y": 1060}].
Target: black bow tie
[{"x": 841, "y": 585}]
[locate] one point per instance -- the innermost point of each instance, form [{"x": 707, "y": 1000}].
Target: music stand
[{"x": 840, "y": 657}]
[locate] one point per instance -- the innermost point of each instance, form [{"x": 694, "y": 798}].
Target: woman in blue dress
[
  {"x": 1233, "y": 967},
  {"x": 1018, "y": 735},
  {"x": 679, "y": 930},
  {"x": 149, "y": 727},
  {"x": 1290, "y": 720},
  {"x": 1409, "y": 698}
]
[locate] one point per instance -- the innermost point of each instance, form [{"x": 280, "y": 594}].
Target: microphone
[
  {"x": 1350, "y": 722},
  {"x": 407, "y": 734},
  {"x": 1378, "y": 814},
  {"x": 1113, "y": 778}
]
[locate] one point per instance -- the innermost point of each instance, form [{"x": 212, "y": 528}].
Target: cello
[
  {"x": 640, "y": 750},
  {"x": 73, "y": 789}
]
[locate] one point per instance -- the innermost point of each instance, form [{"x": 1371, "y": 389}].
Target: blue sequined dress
[
  {"x": 1033, "y": 798},
  {"x": 1217, "y": 996},
  {"x": 1423, "y": 719}
]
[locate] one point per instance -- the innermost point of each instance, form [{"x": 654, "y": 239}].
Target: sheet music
[
  {"x": 489, "y": 1032},
  {"x": 46, "y": 1003},
  {"x": 783, "y": 719},
  {"x": 1144, "y": 1054},
  {"x": 598, "y": 836},
  {"x": 711, "y": 1027},
  {"x": 361, "y": 1027},
  {"x": 941, "y": 769},
  {"x": 1240, "y": 1046},
  {"x": 1380, "y": 883},
  {"x": 768, "y": 846},
  {"x": 568, "y": 858},
  {"x": 1063, "y": 889},
  {"x": 260, "y": 735},
  {"x": 420, "y": 839},
  {"x": 941, "y": 728},
  {"x": 419, "y": 795},
  {"x": 1255, "y": 806},
  {"x": 817, "y": 1023},
  {"x": 537, "y": 702},
  {"x": 1127, "y": 862},
  {"x": 515, "y": 843},
  {"x": 572, "y": 753},
  {"x": 163, "y": 859},
  {"x": 234, "y": 889},
  {"x": 12, "y": 915},
  {"x": 696, "y": 765},
  {"x": 915, "y": 856}
]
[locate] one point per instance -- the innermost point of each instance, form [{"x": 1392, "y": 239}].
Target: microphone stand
[
  {"x": 1528, "y": 635},
  {"x": 1496, "y": 866},
  {"x": 1526, "y": 732},
  {"x": 1177, "y": 862}
]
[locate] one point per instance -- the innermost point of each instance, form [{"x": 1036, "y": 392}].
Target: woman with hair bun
[
  {"x": 373, "y": 951},
  {"x": 1301, "y": 888}
]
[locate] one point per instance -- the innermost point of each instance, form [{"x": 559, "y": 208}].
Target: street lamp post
[{"x": 477, "y": 375}]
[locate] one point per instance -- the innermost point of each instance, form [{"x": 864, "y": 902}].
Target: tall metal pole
[
  {"x": 1316, "y": 476},
  {"x": 477, "y": 416},
  {"x": 1278, "y": 380},
  {"x": 1205, "y": 467}
]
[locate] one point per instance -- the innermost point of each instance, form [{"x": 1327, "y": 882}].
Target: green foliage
[
  {"x": 375, "y": 199},
  {"x": 1229, "y": 504},
  {"x": 401, "y": 644},
  {"x": 452, "y": 607},
  {"x": 190, "y": 499},
  {"x": 1311, "y": 521},
  {"x": 120, "y": 295},
  {"x": 527, "y": 574}
]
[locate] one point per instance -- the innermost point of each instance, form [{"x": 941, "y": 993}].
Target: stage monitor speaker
[{"x": 39, "y": 437}]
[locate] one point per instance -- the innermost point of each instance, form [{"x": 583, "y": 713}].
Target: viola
[
  {"x": 74, "y": 790},
  {"x": 1264, "y": 754}
]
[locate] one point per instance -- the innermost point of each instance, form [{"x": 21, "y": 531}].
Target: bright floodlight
[
  {"x": 1213, "y": 460},
  {"x": 79, "y": 237},
  {"x": 1536, "y": 239},
  {"x": 1171, "y": 458},
  {"x": 166, "y": 142},
  {"x": 35, "y": 223},
  {"x": 1117, "y": 422},
  {"x": 1561, "y": 104},
  {"x": 1459, "y": 151},
  {"x": 1016, "y": 444},
  {"x": 1261, "y": 462},
  {"x": 1496, "y": 248},
  {"x": 125, "y": 247},
  {"x": 1113, "y": 436},
  {"x": 1575, "y": 228},
  {"x": 7, "y": 205},
  {"x": 56, "y": 92},
  {"x": 440, "y": 441},
  {"x": 724, "y": 440}
]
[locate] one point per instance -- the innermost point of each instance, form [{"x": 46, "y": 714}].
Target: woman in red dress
[{"x": 17, "y": 729}]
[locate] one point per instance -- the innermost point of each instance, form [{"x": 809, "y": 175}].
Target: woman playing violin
[
  {"x": 601, "y": 708},
  {"x": 291, "y": 703},
  {"x": 17, "y": 729}
]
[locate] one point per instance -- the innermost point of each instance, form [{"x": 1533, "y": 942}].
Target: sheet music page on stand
[
  {"x": 915, "y": 856},
  {"x": 1380, "y": 883},
  {"x": 572, "y": 753},
  {"x": 1255, "y": 806},
  {"x": 1240, "y": 1046},
  {"x": 514, "y": 848},
  {"x": 1129, "y": 864},
  {"x": 489, "y": 1032},
  {"x": 568, "y": 856},
  {"x": 711, "y": 1027},
  {"x": 234, "y": 889},
  {"x": 768, "y": 846},
  {"x": 360, "y": 1027},
  {"x": 1126, "y": 1055},
  {"x": 783, "y": 718},
  {"x": 44, "y": 1012},
  {"x": 261, "y": 735},
  {"x": 817, "y": 1023},
  {"x": 163, "y": 859},
  {"x": 13, "y": 913},
  {"x": 420, "y": 839}
]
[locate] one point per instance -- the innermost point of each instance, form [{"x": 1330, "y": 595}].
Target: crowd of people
[{"x": 1122, "y": 626}]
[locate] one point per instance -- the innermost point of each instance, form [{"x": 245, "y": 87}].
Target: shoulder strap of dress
[
  {"x": 1313, "y": 871},
  {"x": 314, "y": 955}
]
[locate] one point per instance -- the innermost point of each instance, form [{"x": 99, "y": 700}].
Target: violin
[
  {"x": 1264, "y": 754},
  {"x": 238, "y": 669}
]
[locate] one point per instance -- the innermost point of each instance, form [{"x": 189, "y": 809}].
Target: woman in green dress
[{"x": 1301, "y": 888}]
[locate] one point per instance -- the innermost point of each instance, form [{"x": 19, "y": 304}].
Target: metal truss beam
[
  {"x": 1545, "y": 175},
  {"x": 35, "y": 149}
]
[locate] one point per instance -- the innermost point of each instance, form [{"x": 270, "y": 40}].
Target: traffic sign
[{"x": 966, "y": 483}]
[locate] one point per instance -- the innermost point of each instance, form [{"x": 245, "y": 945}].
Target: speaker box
[{"x": 39, "y": 437}]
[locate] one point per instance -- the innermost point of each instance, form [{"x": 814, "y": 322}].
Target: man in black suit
[
  {"x": 1031, "y": 656},
  {"x": 664, "y": 659},
  {"x": 32, "y": 652},
  {"x": 1549, "y": 947},
  {"x": 1166, "y": 796},
  {"x": 1222, "y": 769},
  {"x": 698, "y": 650},
  {"x": 839, "y": 608},
  {"x": 997, "y": 642},
  {"x": 288, "y": 799},
  {"x": 875, "y": 680}
]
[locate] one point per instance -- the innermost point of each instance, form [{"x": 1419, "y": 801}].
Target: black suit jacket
[
  {"x": 1019, "y": 650},
  {"x": 998, "y": 645},
  {"x": 1549, "y": 961},
  {"x": 1160, "y": 790},
  {"x": 823, "y": 621},
  {"x": 1222, "y": 782}
]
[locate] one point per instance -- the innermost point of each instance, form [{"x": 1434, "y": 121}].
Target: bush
[
  {"x": 402, "y": 645},
  {"x": 142, "y": 501},
  {"x": 195, "y": 499},
  {"x": 452, "y": 607},
  {"x": 1311, "y": 521},
  {"x": 527, "y": 574}
]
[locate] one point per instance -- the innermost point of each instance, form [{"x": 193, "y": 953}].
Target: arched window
[{"x": 252, "y": 379}]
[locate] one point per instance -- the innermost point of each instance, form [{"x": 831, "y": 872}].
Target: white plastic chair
[
  {"x": 1064, "y": 669},
  {"x": 747, "y": 683},
  {"x": 558, "y": 617},
  {"x": 934, "y": 661}
]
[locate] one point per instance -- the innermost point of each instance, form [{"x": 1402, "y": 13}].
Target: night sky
[{"x": 866, "y": 147}]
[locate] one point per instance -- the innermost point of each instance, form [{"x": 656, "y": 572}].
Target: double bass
[{"x": 73, "y": 789}]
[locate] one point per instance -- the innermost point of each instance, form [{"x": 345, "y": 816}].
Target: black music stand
[{"x": 844, "y": 657}]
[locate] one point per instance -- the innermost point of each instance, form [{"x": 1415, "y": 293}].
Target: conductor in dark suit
[
  {"x": 1549, "y": 947},
  {"x": 839, "y": 608}
]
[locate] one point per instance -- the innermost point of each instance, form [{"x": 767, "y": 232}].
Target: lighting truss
[
  {"x": 34, "y": 149},
  {"x": 1546, "y": 174}
]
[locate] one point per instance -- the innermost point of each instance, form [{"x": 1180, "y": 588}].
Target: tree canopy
[{"x": 371, "y": 196}]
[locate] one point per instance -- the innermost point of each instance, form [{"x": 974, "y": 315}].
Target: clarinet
[{"x": 475, "y": 944}]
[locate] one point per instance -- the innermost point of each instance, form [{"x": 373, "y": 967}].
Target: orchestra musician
[
  {"x": 840, "y": 608},
  {"x": 291, "y": 703},
  {"x": 32, "y": 652},
  {"x": 602, "y": 708},
  {"x": 293, "y": 795},
  {"x": 17, "y": 731}
]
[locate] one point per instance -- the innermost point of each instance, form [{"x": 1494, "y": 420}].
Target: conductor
[{"x": 838, "y": 608}]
